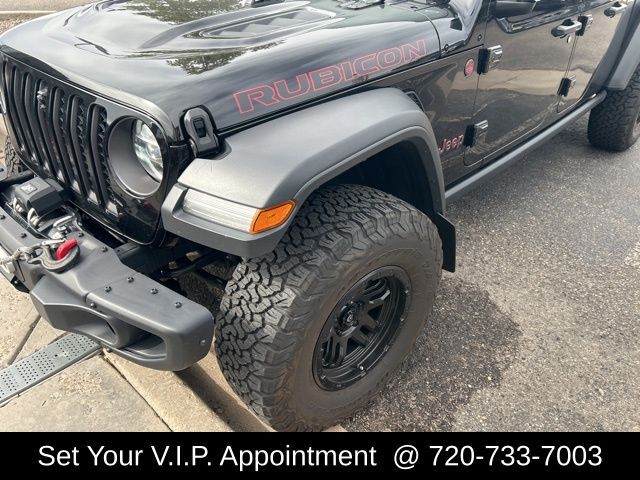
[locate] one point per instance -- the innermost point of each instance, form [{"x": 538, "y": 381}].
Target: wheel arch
[
  {"x": 399, "y": 170},
  {"x": 405, "y": 170},
  {"x": 629, "y": 58},
  {"x": 291, "y": 157}
]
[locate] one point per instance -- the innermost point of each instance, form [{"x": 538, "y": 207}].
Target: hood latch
[{"x": 200, "y": 129}]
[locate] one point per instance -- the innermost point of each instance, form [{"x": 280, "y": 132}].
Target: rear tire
[
  {"x": 287, "y": 317},
  {"x": 615, "y": 124}
]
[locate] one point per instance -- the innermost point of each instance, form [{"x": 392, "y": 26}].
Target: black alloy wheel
[{"x": 361, "y": 328}]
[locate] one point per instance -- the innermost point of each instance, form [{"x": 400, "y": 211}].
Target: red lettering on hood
[
  {"x": 331, "y": 76},
  {"x": 264, "y": 95}
]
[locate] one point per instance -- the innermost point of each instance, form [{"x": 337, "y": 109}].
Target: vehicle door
[
  {"x": 601, "y": 19},
  {"x": 528, "y": 46}
]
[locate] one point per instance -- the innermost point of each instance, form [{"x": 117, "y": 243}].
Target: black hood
[{"x": 240, "y": 60}]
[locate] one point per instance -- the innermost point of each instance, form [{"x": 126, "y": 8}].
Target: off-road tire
[
  {"x": 615, "y": 124},
  {"x": 11, "y": 160},
  {"x": 276, "y": 306}
]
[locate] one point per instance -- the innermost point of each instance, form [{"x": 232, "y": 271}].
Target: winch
[
  {"x": 79, "y": 284},
  {"x": 40, "y": 204}
]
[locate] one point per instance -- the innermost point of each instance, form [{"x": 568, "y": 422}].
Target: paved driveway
[{"x": 540, "y": 327}]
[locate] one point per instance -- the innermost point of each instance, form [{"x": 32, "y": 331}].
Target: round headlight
[{"x": 147, "y": 150}]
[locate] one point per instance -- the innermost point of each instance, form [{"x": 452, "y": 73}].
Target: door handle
[
  {"x": 567, "y": 28},
  {"x": 615, "y": 9}
]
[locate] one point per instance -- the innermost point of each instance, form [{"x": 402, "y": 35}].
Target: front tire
[
  {"x": 614, "y": 125},
  {"x": 310, "y": 333},
  {"x": 11, "y": 159}
]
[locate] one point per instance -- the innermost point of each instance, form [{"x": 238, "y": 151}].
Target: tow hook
[{"x": 66, "y": 255}]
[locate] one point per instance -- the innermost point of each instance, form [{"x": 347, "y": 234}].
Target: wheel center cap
[{"x": 349, "y": 318}]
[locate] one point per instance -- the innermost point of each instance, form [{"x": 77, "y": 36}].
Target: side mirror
[{"x": 514, "y": 8}]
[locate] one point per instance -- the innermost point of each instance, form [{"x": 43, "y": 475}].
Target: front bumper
[{"x": 116, "y": 306}]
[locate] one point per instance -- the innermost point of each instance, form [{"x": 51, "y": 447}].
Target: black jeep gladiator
[{"x": 296, "y": 154}]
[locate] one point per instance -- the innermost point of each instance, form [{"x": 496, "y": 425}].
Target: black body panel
[
  {"x": 61, "y": 132},
  {"x": 249, "y": 63},
  {"x": 169, "y": 57},
  {"x": 244, "y": 66},
  {"x": 315, "y": 145},
  {"x": 590, "y": 48}
]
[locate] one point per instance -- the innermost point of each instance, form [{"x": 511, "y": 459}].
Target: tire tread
[
  {"x": 11, "y": 159},
  {"x": 268, "y": 304},
  {"x": 611, "y": 124}
]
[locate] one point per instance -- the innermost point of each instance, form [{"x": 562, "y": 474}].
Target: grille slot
[{"x": 61, "y": 134}]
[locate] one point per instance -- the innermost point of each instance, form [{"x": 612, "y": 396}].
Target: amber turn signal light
[{"x": 271, "y": 218}]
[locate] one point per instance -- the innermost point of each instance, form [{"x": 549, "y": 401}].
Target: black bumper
[{"x": 105, "y": 300}]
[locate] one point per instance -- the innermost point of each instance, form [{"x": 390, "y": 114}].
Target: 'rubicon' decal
[{"x": 324, "y": 78}]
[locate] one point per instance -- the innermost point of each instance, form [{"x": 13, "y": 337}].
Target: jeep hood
[{"x": 240, "y": 60}]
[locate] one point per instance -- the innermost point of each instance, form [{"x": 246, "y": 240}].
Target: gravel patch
[{"x": 7, "y": 23}]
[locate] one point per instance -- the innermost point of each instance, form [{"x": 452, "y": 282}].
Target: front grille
[{"x": 61, "y": 134}]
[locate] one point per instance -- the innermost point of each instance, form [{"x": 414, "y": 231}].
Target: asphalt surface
[{"x": 539, "y": 328}]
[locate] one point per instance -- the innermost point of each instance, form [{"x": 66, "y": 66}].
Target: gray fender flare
[
  {"x": 630, "y": 57},
  {"x": 288, "y": 158}
]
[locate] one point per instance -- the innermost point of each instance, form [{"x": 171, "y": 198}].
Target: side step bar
[
  {"x": 491, "y": 170},
  {"x": 44, "y": 364}
]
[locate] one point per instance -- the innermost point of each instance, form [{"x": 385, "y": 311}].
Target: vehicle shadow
[{"x": 467, "y": 345}]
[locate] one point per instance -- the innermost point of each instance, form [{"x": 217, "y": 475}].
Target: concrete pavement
[
  {"x": 40, "y": 5},
  {"x": 101, "y": 393}
]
